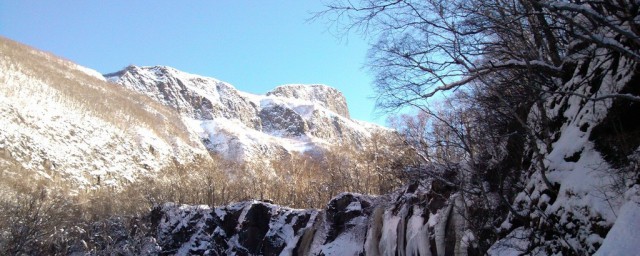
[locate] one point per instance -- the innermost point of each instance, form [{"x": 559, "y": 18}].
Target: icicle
[
  {"x": 417, "y": 234},
  {"x": 440, "y": 230},
  {"x": 401, "y": 231},
  {"x": 459, "y": 225},
  {"x": 375, "y": 232},
  {"x": 302, "y": 240},
  {"x": 306, "y": 241},
  {"x": 388, "y": 240}
]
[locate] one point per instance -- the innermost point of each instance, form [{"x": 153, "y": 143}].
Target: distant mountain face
[
  {"x": 242, "y": 126},
  {"x": 327, "y": 97}
]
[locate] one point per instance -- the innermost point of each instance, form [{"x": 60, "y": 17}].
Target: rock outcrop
[
  {"x": 326, "y": 96},
  {"x": 588, "y": 153},
  {"x": 403, "y": 223},
  {"x": 191, "y": 95}
]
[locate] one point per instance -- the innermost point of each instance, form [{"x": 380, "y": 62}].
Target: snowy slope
[
  {"x": 61, "y": 120},
  {"x": 243, "y": 126}
]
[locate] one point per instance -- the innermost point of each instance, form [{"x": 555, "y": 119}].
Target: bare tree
[
  {"x": 427, "y": 48},
  {"x": 493, "y": 64}
]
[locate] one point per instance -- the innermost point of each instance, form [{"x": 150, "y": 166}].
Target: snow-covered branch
[
  {"x": 625, "y": 96},
  {"x": 592, "y": 15}
]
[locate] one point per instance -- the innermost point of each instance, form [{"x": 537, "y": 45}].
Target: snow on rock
[
  {"x": 351, "y": 224},
  {"x": 192, "y": 95},
  {"x": 326, "y": 96},
  {"x": 585, "y": 160},
  {"x": 244, "y": 228}
]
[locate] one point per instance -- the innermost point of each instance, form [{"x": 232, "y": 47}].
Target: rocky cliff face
[
  {"x": 413, "y": 221},
  {"x": 194, "y": 96},
  {"x": 590, "y": 159},
  {"x": 240, "y": 125}
]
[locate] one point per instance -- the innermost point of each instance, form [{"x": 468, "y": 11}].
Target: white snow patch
[
  {"x": 515, "y": 244},
  {"x": 624, "y": 236}
]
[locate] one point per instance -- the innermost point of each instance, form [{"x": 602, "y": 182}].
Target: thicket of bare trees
[{"x": 478, "y": 73}]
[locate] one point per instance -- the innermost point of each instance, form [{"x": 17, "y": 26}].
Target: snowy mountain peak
[{"x": 192, "y": 95}]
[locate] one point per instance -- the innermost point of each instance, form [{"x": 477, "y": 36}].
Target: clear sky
[{"x": 254, "y": 45}]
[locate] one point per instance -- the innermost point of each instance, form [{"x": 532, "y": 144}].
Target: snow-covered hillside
[
  {"x": 243, "y": 126},
  {"x": 590, "y": 159},
  {"x": 61, "y": 120}
]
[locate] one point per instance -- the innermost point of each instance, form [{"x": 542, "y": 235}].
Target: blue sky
[{"x": 254, "y": 45}]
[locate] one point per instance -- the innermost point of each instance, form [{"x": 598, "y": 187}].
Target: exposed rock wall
[
  {"x": 191, "y": 95},
  {"x": 352, "y": 224},
  {"x": 588, "y": 162}
]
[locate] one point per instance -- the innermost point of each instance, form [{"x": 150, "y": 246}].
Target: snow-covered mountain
[{"x": 243, "y": 126}]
